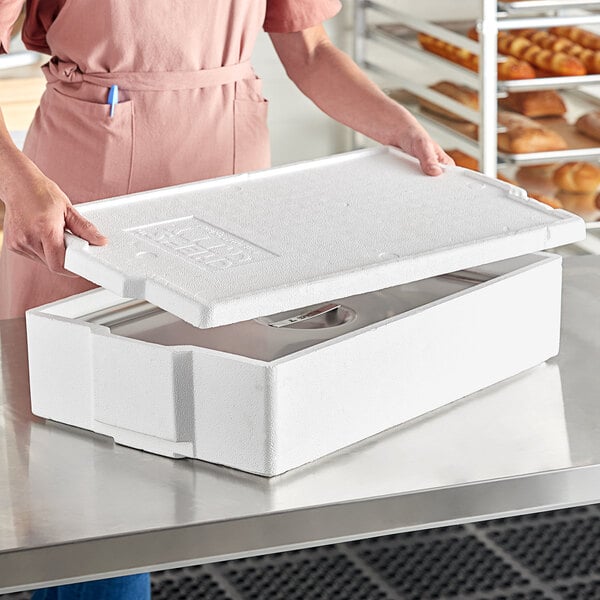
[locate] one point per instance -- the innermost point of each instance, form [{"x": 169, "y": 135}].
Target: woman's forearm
[
  {"x": 333, "y": 81},
  {"x": 339, "y": 88}
]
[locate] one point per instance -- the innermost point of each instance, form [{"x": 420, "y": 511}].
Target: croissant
[
  {"x": 510, "y": 69},
  {"x": 587, "y": 39}
]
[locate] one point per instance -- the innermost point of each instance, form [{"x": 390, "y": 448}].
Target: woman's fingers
[
  {"x": 431, "y": 156},
  {"x": 444, "y": 158},
  {"x": 415, "y": 140},
  {"x": 53, "y": 247},
  {"x": 425, "y": 150},
  {"x": 83, "y": 228},
  {"x": 53, "y": 244}
]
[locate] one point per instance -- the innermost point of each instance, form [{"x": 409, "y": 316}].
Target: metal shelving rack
[{"x": 494, "y": 17}]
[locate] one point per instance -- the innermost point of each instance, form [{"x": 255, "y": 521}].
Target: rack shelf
[
  {"x": 379, "y": 25},
  {"x": 527, "y": 6}
]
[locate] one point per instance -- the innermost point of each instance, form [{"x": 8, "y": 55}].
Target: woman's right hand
[{"x": 37, "y": 214}]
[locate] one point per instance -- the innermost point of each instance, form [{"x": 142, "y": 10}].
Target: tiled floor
[{"x": 547, "y": 556}]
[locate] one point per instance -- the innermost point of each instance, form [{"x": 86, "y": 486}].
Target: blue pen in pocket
[{"x": 113, "y": 99}]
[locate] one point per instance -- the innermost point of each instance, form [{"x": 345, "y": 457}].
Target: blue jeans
[{"x": 131, "y": 587}]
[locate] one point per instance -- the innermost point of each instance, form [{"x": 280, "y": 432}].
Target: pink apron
[{"x": 190, "y": 108}]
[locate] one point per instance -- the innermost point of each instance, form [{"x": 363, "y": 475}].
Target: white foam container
[{"x": 224, "y": 252}]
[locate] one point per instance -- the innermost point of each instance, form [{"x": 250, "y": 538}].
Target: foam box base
[{"x": 267, "y": 417}]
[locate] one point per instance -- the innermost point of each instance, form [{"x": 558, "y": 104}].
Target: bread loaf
[
  {"x": 521, "y": 140},
  {"x": 461, "y": 93},
  {"x": 511, "y": 69},
  {"x": 589, "y": 124},
  {"x": 524, "y": 135},
  {"x": 584, "y": 38},
  {"x": 578, "y": 177},
  {"x": 558, "y": 63},
  {"x": 543, "y": 103}
]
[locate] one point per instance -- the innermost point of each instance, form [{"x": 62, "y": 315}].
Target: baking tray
[
  {"x": 278, "y": 336},
  {"x": 404, "y": 36},
  {"x": 581, "y": 147},
  {"x": 542, "y": 5}
]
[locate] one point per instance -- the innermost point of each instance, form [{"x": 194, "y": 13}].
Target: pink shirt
[
  {"x": 281, "y": 16},
  {"x": 190, "y": 107}
]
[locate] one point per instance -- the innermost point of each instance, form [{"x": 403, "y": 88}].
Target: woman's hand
[
  {"x": 37, "y": 214},
  {"x": 414, "y": 140}
]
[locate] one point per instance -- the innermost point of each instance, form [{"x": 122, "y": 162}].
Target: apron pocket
[
  {"x": 251, "y": 150},
  {"x": 79, "y": 146}
]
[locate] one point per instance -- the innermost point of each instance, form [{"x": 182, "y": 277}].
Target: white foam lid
[{"x": 240, "y": 247}]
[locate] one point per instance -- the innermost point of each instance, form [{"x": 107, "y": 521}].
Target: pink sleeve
[{"x": 285, "y": 16}]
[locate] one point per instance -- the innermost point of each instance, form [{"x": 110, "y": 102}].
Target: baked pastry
[
  {"x": 587, "y": 39},
  {"x": 461, "y": 93},
  {"x": 542, "y": 103},
  {"x": 510, "y": 69},
  {"x": 549, "y": 41},
  {"x": 515, "y": 69},
  {"x": 549, "y": 62},
  {"x": 558, "y": 63},
  {"x": 524, "y": 135},
  {"x": 589, "y": 124},
  {"x": 578, "y": 177}
]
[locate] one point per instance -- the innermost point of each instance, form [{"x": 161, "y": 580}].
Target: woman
[{"x": 190, "y": 108}]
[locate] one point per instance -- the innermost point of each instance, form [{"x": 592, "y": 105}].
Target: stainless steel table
[{"x": 74, "y": 506}]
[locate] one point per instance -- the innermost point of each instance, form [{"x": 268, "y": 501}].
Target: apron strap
[{"x": 68, "y": 72}]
